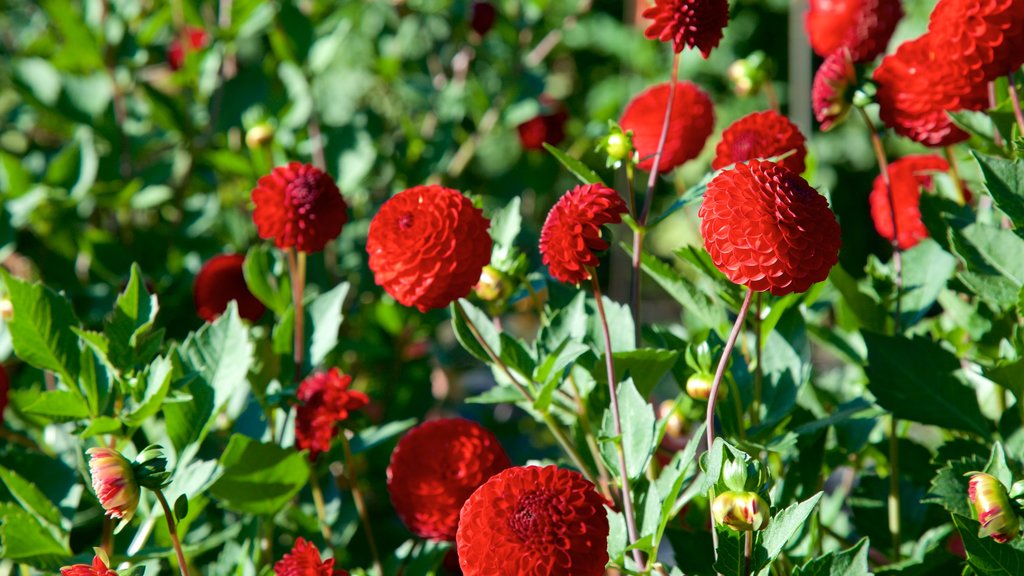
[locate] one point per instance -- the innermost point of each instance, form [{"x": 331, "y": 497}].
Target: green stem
[
  {"x": 357, "y": 497},
  {"x": 319, "y": 504},
  {"x": 755, "y": 408},
  {"x": 173, "y": 530}
]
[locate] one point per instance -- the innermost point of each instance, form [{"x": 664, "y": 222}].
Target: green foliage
[{"x": 258, "y": 478}]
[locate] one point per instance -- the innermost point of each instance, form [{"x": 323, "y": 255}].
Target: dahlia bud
[
  {"x": 259, "y": 135},
  {"x": 675, "y": 426},
  {"x": 150, "y": 468},
  {"x": 741, "y": 511},
  {"x": 749, "y": 74},
  {"x": 992, "y": 506},
  {"x": 740, "y": 475},
  {"x": 618, "y": 145},
  {"x": 699, "y": 385},
  {"x": 113, "y": 480},
  {"x": 493, "y": 285},
  {"x": 6, "y": 310},
  {"x": 833, "y": 89}
]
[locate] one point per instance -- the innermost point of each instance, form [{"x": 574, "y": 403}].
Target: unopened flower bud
[
  {"x": 749, "y": 74},
  {"x": 698, "y": 386},
  {"x": 834, "y": 90},
  {"x": 740, "y": 511},
  {"x": 992, "y": 506},
  {"x": 114, "y": 482},
  {"x": 150, "y": 468},
  {"x": 675, "y": 427},
  {"x": 618, "y": 145},
  {"x": 259, "y": 135},
  {"x": 493, "y": 285}
]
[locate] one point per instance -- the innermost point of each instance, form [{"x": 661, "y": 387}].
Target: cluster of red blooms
[{"x": 324, "y": 401}]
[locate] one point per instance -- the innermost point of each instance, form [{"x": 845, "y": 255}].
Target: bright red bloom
[
  {"x": 863, "y": 27},
  {"x": 761, "y": 135},
  {"x": 113, "y": 480},
  {"x": 98, "y": 568},
  {"x": 572, "y": 231},
  {"x": 191, "y": 39},
  {"x": 533, "y": 520},
  {"x": 917, "y": 86},
  {"x": 766, "y": 228},
  {"x": 694, "y": 23},
  {"x": 220, "y": 281},
  {"x": 547, "y": 127},
  {"x": 483, "y": 17},
  {"x": 428, "y": 246},
  {"x": 435, "y": 468},
  {"x": 324, "y": 401},
  {"x": 830, "y": 93},
  {"x": 304, "y": 560},
  {"x": 298, "y": 206},
  {"x": 692, "y": 121},
  {"x": 5, "y": 391},
  {"x": 906, "y": 176},
  {"x": 986, "y": 36}
]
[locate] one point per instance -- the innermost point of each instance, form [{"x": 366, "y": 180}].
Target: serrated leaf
[
  {"x": 258, "y": 277},
  {"x": 850, "y": 562},
  {"x": 686, "y": 293},
  {"x": 157, "y": 378},
  {"x": 1004, "y": 180},
  {"x": 327, "y": 315},
  {"x": 59, "y": 405},
  {"x": 41, "y": 328},
  {"x": 578, "y": 169},
  {"x": 484, "y": 326},
  {"x": 926, "y": 269},
  {"x": 646, "y": 367},
  {"x": 134, "y": 313},
  {"x": 915, "y": 380},
  {"x": 999, "y": 247},
  {"x": 258, "y": 478},
  {"x": 731, "y": 561},
  {"x": 780, "y": 530},
  {"x": 222, "y": 353},
  {"x": 637, "y": 431},
  {"x": 24, "y": 539},
  {"x": 33, "y": 500}
]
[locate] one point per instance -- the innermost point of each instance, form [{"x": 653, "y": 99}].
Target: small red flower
[
  {"x": 917, "y": 85},
  {"x": 694, "y": 23},
  {"x": 428, "y": 246},
  {"x": 483, "y": 17},
  {"x": 324, "y": 401},
  {"x": 863, "y": 27},
  {"x": 761, "y": 135},
  {"x": 98, "y": 568},
  {"x": 545, "y": 128},
  {"x": 113, "y": 480},
  {"x": 435, "y": 468},
  {"x": 304, "y": 560},
  {"x": 572, "y": 231},
  {"x": 299, "y": 207},
  {"x": 692, "y": 121},
  {"x": 191, "y": 39},
  {"x": 219, "y": 282},
  {"x": 533, "y": 520},
  {"x": 5, "y": 391},
  {"x": 906, "y": 176},
  {"x": 766, "y": 228},
  {"x": 986, "y": 36},
  {"x": 830, "y": 93}
]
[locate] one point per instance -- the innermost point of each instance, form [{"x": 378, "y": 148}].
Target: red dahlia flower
[
  {"x": 98, "y": 568},
  {"x": 304, "y": 560},
  {"x": 435, "y": 468},
  {"x": 694, "y": 23},
  {"x": 191, "y": 39},
  {"x": 863, "y": 27},
  {"x": 830, "y": 93},
  {"x": 545, "y": 128},
  {"x": 428, "y": 246},
  {"x": 906, "y": 176},
  {"x": 917, "y": 85},
  {"x": 761, "y": 135},
  {"x": 220, "y": 281},
  {"x": 113, "y": 480},
  {"x": 692, "y": 121},
  {"x": 325, "y": 400},
  {"x": 572, "y": 231},
  {"x": 533, "y": 520},
  {"x": 986, "y": 36},
  {"x": 766, "y": 228},
  {"x": 298, "y": 206}
]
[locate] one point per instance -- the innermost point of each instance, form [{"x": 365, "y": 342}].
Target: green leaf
[
  {"x": 33, "y": 500},
  {"x": 1004, "y": 180},
  {"x": 926, "y": 269},
  {"x": 134, "y": 314},
  {"x": 985, "y": 555},
  {"x": 258, "y": 478},
  {"x": 368, "y": 438},
  {"x": 693, "y": 299},
  {"x": 999, "y": 247},
  {"x": 637, "y": 431},
  {"x": 259, "y": 278},
  {"x": 695, "y": 192},
  {"x": 869, "y": 312},
  {"x": 731, "y": 561},
  {"x": 222, "y": 354},
  {"x": 646, "y": 366},
  {"x": 41, "y": 328},
  {"x": 916, "y": 380},
  {"x": 850, "y": 562},
  {"x": 327, "y": 315},
  {"x": 25, "y": 540},
  {"x": 59, "y": 405},
  {"x": 181, "y": 507},
  {"x": 157, "y": 378},
  {"x": 484, "y": 326},
  {"x": 505, "y": 226},
  {"x": 780, "y": 530},
  {"x": 549, "y": 373},
  {"x": 949, "y": 486},
  {"x": 101, "y": 425},
  {"x": 580, "y": 170}
]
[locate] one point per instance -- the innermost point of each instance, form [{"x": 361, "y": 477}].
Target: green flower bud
[
  {"x": 150, "y": 468},
  {"x": 741, "y": 511},
  {"x": 698, "y": 386}
]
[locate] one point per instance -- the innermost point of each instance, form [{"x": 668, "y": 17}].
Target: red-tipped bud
[
  {"x": 992, "y": 506},
  {"x": 741, "y": 511}
]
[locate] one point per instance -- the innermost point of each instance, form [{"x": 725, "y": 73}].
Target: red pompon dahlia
[
  {"x": 906, "y": 176},
  {"x": 545, "y": 128},
  {"x": 863, "y": 27},
  {"x": 324, "y": 400},
  {"x": 917, "y": 85},
  {"x": 113, "y": 480},
  {"x": 572, "y": 231},
  {"x": 428, "y": 246},
  {"x": 830, "y": 93},
  {"x": 533, "y": 520},
  {"x": 98, "y": 568},
  {"x": 986, "y": 36},
  {"x": 304, "y": 560},
  {"x": 299, "y": 207},
  {"x": 766, "y": 228},
  {"x": 220, "y": 281},
  {"x": 761, "y": 135},
  {"x": 694, "y": 23},
  {"x": 191, "y": 39},
  {"x": 691, "y": 123},
  {"x": 435, "y": 468}
]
